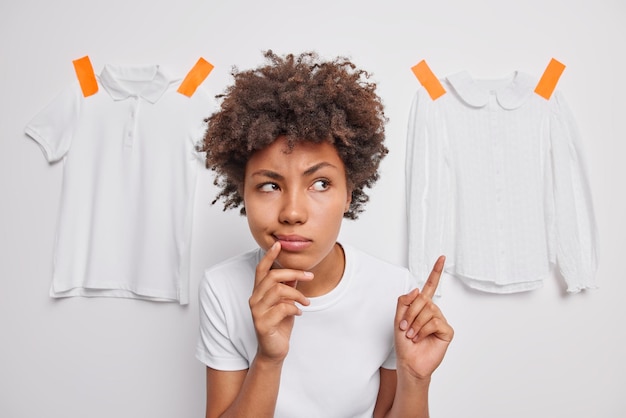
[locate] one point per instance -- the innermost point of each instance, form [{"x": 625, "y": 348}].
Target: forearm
[
  {"x": 258, "y": 394},
  {"x": 411, "y": 398}
]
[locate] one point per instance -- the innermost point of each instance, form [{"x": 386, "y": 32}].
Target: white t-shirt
[
  {"x": 130, "y": 168},
  {"x": 337, "y": 346},
  {"x": 496, "y": 181}
]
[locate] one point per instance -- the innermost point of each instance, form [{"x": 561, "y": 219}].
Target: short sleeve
[
  {"x": 203, "y": 106},
  {"x": 390, "y": 362},
  {"x": 53, "y": 127},
  {"x": 215, "y": 348}
]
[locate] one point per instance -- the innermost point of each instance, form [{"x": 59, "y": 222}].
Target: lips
[{"x": 293, "y": 242}]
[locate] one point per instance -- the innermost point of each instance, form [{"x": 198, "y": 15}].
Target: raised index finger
[
  {"x": 266, "y": 262},
  {"x": 433, "y": 279}
]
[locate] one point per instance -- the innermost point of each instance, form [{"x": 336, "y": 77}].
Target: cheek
[
  {"x": 258, "y": 226},
  {"x": 256, "y": 218},
  {"x": 337, "y": 203},
  {"x": 260, "y": 213},
  {"x": 328, "y": 213}
]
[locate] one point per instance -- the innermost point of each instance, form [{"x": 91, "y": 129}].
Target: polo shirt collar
[
  {"x": 509, "y": 97},
  {"x": 152, "y": 82}
]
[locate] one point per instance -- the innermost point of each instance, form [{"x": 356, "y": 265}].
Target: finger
[
  {"x": 288, "y": 277},
  {"x": 404, "y": 303},
  {"x": 438, "y": 327},
  {"x": 274, "y": 313},
  {"x": 421, "y": 317},
  {"x": 279, "y": 293},
  {"x": 419, "y": 312},
  {"x": 282, "y": 311},
  {"x": 433, "y": 279},
  {"x": 266, "y": 262}
]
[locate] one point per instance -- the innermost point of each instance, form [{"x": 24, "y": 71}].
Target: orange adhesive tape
[
  {"x": 428, "y": 80},
  {"x": 549, "y": 79},
  {"x": 86, "y": 76},
  {"x": 195, "y": 77}
]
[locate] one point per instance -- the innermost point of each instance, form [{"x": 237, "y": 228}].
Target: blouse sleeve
[
  {"x": 53, "y": 127},
  {"x": 427, "y": 186},
  {"x": 574, "y": 220}
]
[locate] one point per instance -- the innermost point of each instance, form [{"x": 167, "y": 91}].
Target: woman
[{"x": 304, "y": 326}]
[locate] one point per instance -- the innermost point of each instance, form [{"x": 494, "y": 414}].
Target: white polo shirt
[{"x": 130, "y": 165}]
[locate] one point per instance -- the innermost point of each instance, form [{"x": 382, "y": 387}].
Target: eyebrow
[
  {"x": 316, "y": 167},
  {"x": 309, "y": 171}
]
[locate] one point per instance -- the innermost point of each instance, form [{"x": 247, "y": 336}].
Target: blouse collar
[
  {"x": 151, "y": 81},
  {"x": 510, "y": 96}
]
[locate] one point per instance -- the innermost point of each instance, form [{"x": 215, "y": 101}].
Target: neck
[{"x": 328, "y": 274}]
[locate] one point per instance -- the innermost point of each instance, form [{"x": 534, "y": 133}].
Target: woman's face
[{"x": 296, "y": 197}]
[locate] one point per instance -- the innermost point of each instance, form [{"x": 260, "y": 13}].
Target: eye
[
  {"x": 268, "y": 187},
  {"x": 321, "y": 185}
]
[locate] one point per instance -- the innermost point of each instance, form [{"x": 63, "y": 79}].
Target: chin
[{"x": 295, "y": 262}]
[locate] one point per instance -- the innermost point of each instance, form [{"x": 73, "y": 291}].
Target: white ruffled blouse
[{"x": 496, "y": 181}]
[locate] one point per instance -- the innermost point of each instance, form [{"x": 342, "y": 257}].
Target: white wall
[{"x": 540, "y": 354}]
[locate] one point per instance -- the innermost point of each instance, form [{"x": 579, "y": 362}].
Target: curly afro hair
[{"x": 303, "y": 99}]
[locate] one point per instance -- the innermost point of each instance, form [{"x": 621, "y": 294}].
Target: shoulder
[
  {"x": 365, "y": 259},
  {"x": 238, "y": 262},
  {"x": 372, "y": 268},
  {"x": 233, "y": 273}
]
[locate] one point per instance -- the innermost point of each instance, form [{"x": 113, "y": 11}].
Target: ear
[{"x": 348, "y": 201}]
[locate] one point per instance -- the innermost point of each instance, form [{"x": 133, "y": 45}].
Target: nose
[{"x": 293, "y": 209}]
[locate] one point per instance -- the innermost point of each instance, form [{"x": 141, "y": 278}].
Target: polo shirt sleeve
[
  {"x": 574, "y": 220},
  {"x": 53, "y": 127},
  {"x": 203, "y": 105},
  {"x": 215, "y": 347}
]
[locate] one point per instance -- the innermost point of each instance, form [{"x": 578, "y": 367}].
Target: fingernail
[
  {"x": 404, "y": 324},
  {"x": 308, "y": 274},
  {"x": 410, "y": 333}
]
